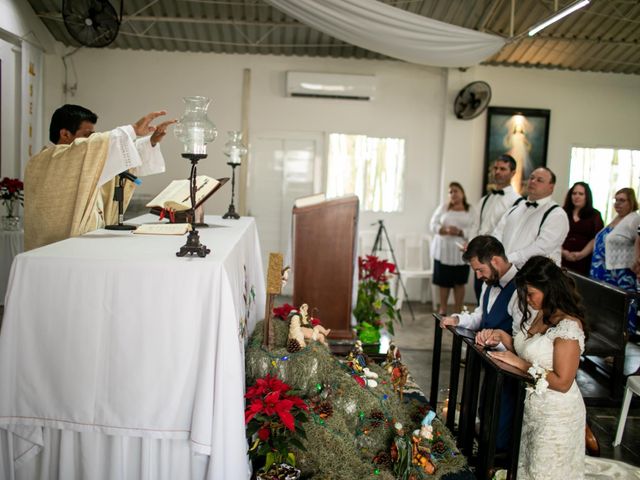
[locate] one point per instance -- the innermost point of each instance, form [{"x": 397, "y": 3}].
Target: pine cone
[
  {"x": 293, "y": 346},
  {"x": 324, "y": 409},
  {"x": 439, "y": 447},
  {"x": 376, "y": 418},
  {"x": 383, "y": 459}
]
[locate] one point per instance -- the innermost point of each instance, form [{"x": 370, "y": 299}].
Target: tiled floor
[{"x": 415, "y": 340}]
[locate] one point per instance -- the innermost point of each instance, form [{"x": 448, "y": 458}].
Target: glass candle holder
[
  {"x": 194, "y": 129},
  {"x": 234, "y": 148}
]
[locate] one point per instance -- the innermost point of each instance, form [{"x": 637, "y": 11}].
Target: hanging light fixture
[{"x": 558, "y": 15}]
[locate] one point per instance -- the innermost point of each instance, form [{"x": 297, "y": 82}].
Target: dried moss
[{"x": 343, "y": 445}]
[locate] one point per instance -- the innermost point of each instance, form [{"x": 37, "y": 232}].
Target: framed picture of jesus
[{"x": 522, "y": 133}]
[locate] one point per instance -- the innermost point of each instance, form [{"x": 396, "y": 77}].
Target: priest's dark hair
[
  {"x": 484, "y": 248},
  {"x": 69, "y": 117},
  {"x": 560, "y": 295}
]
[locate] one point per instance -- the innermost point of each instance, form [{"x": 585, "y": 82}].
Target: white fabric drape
[
  {"x": 110, "y": 334},
  {"x": 394, "y": 32}
]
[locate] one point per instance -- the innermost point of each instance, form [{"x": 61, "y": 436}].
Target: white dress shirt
[
  {"x": 445, "y": 248},
  {"x": 490, "y": 209},
  {"x": 518, "y": 231},
  {"x": 473, "y": 319}
]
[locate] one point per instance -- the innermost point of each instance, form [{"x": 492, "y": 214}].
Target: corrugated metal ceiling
[{"x": 603, "y": 37}]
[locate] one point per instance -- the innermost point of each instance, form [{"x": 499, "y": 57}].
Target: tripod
[{"x": 377, "y": 246}]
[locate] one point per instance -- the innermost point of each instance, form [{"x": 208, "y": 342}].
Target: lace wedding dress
[
  {"x": 552, "y": 445},
  {"x": 552, "y": 442}
]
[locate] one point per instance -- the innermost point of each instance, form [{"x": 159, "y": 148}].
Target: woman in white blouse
[
  {"x": 613, "y": 257},
  {"x": 451, "y": 223}
]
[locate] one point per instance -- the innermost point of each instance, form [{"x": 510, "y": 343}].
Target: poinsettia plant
[
  {"x": 274, "y": 417},
  {"x": 376, "y": 306},
  {"x": 11, "y": 191}
]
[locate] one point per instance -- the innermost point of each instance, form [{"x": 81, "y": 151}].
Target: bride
[{"x": 548, "y": 346}]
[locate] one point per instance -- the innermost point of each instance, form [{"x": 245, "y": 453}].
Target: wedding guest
[
  {"x": 492, "y": 206},
  {"x": 584, "y": 223},
  {"x": 451, "y": 224},
  {"x": 535, "y": 226},
  {"x": 613, "y": 256}
]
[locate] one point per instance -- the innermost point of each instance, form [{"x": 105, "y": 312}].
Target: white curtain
[{"x": 394, "y": 32}]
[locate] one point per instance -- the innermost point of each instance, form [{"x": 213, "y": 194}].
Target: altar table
[
  {"x": 11, "y": 244},
  {"x": 119, "y": 360}
]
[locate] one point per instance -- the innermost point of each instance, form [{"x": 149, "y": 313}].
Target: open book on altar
[{"x": 175, "y": 198}]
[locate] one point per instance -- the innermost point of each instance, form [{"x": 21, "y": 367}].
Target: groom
[{"x": 498, "y": 309}]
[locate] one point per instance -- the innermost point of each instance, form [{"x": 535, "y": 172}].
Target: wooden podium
[{"x": 324, "y": 256}]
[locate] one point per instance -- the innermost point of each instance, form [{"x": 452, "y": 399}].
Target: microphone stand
[{"x": 118, "y": 196}]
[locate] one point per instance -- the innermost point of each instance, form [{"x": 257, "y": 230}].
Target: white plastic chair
[
  {"x": 633, "y": 386},
  {"x": 414, "y": 263}
]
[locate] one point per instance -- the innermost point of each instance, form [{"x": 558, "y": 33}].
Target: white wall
[
  {"x": 413, "y": 102},
  {"x": 122, "y": 85}
]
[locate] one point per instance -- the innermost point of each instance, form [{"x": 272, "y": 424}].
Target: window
[
  {"x": 606, "y": 170},
  {"x": 372, "y": 168}
]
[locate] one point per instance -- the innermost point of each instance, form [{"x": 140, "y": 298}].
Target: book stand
[
  {"x": 324, "y": 261},
  {"x": 193, "y": 245}
]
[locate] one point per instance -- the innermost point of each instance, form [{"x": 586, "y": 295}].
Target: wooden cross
[{"x": 274, "y": 287}]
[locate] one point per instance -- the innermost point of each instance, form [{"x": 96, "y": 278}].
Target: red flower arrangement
[
  {"x": 11, "y": 190},
  {"x": 373, "y": 268},
  {"x": 375, "y": 302},
  {"x": 274, "y": 418}
]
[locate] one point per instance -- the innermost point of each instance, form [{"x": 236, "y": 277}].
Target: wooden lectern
[{"x": 324, "y": 256}]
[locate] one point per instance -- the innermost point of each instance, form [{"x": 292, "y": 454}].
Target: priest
[{"x": 69, "y": 186}]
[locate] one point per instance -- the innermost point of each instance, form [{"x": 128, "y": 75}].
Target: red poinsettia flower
[
  {"x": 283, "y": 311},
  {"x": 273, "y": 404},
  {"x": 252, "y": 410},
  {"x": 373, "y": 268},
  {"x": 266, "y": 385}
]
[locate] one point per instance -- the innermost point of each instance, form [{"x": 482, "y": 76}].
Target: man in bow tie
[
  {"x": 535, "y": 225},
  {"x": 498, "y": 309},
  {"x": 492, "y": 206}
]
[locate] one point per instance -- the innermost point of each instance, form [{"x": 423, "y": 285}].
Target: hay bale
[{"x": 342, "y": 446}]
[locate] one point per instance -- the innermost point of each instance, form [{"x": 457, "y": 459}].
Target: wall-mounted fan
[
  {"x": 472, "y": 100},
  {"x": 93, "y": 23}
]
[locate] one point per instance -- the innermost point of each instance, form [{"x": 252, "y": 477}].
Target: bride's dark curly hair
[{"x": 556, "y": 285}]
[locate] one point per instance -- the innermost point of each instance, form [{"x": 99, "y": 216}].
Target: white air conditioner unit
[{"x": 331, "y": 85}]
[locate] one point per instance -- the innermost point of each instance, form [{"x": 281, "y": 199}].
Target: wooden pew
[
  {"x": 606, "y": 310},
  {"x": 495, "y": 373}
]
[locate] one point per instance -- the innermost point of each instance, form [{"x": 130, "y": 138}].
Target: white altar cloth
[
  {"x": 111, "y": 333},
  {"x": 11, "y": 244}
]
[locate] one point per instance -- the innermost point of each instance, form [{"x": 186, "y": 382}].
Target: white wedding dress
[{"x": 552, "y": 445}]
